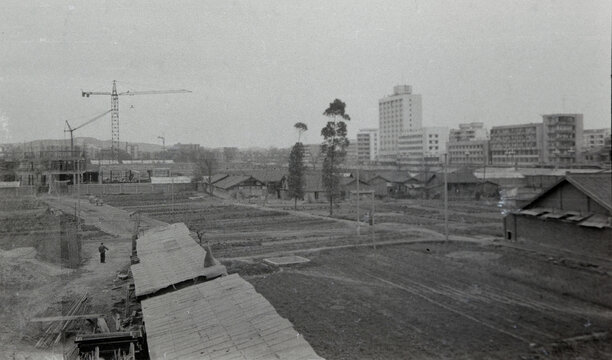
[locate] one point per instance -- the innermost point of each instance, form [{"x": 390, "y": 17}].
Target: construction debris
[
  {"x": 54, "y": 332},
  {"x": 123, "y": 345}
]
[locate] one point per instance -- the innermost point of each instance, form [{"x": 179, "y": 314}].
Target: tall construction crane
[
  {"x": 115, "y": 107},
  {"x": 71, "y": 129}
]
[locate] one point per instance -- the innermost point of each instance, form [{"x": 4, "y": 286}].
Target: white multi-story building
[
  {"x": 563, "y": 135},
  {"x": 520, "y": 144},
  {"x": 397, "y": 114},
  {"x": 468, "y": 145},
  {"x": 351, "y": 152},
  {"x": 420, "y": 146},
  {"x": 594, "y": 138},
  {"x": 367, "y": 145}
]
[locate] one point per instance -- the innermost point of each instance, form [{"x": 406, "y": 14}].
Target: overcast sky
[{"x": 258, "y": 67}]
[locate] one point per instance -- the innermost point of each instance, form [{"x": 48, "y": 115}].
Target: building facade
[
  {"x": 468, "y": 145},
  {"x": 351, "y": 153},
  {"x": 517, "y": 144},
  {"x": 468, "y": 132},
  {"x": 367, "y": 145},
  {"x": 397, "y": 113},
  {"x": 594, "y": 138},
  {"x": 563, "y": 136},
  {"x": 424, "y": 146},
  {"x": 474, "y": 152}
]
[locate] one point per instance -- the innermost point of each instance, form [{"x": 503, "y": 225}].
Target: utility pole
[
  {"x": 372, "y": 221},
  {"x": 172, "y": 193},
  {"x": 78, "y": 178},
  {"x": 358, "y": 196},
  {"x": 445, "y": 198}
]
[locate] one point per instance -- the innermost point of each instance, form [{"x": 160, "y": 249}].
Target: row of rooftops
[
  {"x": 314, "y": 182},
  {"x": 221, "y": 318}
]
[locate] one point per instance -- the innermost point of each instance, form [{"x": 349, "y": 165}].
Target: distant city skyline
[{"x": 255, "y": 69}]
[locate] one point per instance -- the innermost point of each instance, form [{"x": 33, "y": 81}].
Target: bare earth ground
[
  {"x": 415, "y": 297},
  {"x": 474, "y": 297},
  {"x": 32, "y": 287}
]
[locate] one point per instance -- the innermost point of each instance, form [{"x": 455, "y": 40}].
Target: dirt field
[
  {"x": 414, "y": 296},
  {"x": 33, "y": 285},
  {"x": 474, "y": 297}
]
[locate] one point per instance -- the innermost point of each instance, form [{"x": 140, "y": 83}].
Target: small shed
[{"x": 574, "y": 214}]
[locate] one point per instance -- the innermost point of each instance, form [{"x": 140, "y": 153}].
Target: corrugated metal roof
[
  {"x": 220, "y": 319},
  {"x": 596, "y": 221},
  {"x": 555, "y": 215},
  {"x": 168, "y": 256},
  {"x": 534, "y": 211}
]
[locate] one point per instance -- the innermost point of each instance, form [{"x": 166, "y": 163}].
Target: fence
[
  {"x": 18, "y": 191},
  {"x": 130, "y": 188}
]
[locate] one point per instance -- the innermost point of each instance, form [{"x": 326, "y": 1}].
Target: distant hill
[{"x": 89, "y": 141}]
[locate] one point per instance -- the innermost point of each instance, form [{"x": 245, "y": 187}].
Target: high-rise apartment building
[
  {"x": 397, "y": 114},
  {"x": 563, "y": 136},
  {"x": 421, "y": 146},
  {"x": 367, "y": 145},
  {"x": 468, "y": 145},
  {"x": 517, "y": 144}
]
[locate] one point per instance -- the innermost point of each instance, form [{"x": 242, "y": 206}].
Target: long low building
[
  {"x": 220, "y": 319},
  {"x": 168, "y": 256}
]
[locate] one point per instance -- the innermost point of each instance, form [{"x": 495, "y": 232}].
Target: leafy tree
[
  {"x": 333, "y": 148},
  {"x": 295, "y": 181}
]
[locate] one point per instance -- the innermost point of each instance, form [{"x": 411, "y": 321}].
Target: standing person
[{"x": 102, "y": 249}]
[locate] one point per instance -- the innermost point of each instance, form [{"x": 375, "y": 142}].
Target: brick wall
[{"x": 560, "y": 234}]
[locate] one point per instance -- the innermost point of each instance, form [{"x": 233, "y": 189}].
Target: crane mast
[{"x": 115, "y": 122}]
